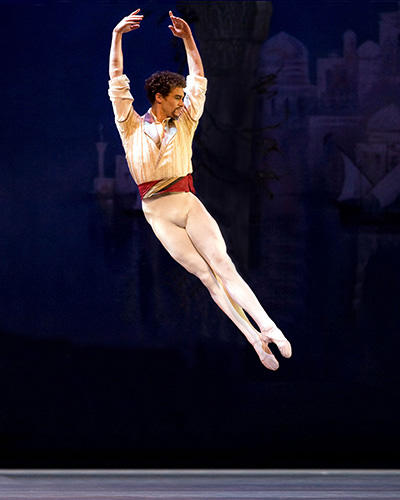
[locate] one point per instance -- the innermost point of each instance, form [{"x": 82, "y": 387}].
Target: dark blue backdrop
[{"x": 112, "y": 355}]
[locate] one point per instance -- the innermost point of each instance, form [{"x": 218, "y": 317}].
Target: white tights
[{"x": 192, "y": 237}]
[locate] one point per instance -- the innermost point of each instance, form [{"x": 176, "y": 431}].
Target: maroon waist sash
[{"x": 171, "y": 185}]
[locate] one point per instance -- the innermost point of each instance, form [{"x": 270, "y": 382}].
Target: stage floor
[{"x": 199, "y": 484}]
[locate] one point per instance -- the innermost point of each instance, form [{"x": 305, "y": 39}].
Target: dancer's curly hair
[{"x": 163, "y": 82}]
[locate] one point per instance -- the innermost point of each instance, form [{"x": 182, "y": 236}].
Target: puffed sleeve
[
  {"x": 196, "y": 87},
  {"x": 121, "y": 98}
]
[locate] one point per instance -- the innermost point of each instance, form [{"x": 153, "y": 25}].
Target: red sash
[{"x": 173, "y": 185}]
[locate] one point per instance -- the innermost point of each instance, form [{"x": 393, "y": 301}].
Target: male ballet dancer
[{"x": 158, "y": 149}]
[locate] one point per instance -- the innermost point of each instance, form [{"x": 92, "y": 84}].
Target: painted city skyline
[{"x": 354, "y": 102}]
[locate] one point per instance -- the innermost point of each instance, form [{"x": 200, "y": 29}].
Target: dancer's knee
[
  {"x": 208, "y": 279},
  {"x": 199, "y": 269},
  {"x": 224, "y": 267}
]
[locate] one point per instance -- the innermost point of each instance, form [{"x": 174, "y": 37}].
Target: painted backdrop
[{"x": 111, "y": 354}]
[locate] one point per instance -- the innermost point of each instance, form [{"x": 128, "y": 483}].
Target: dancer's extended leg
[{"x": 168, "y": 217}]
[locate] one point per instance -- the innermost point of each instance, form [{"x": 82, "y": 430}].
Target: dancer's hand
[
  {"x": 129, "y": 23},
  {"x": 179, "y": 27}
]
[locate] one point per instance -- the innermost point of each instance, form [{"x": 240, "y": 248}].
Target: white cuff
[{"x": 195, "y": 84}]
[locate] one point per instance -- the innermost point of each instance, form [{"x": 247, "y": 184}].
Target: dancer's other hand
[
  {"x": 129, "y": 23},
  {"x": 179, "y": 27}
]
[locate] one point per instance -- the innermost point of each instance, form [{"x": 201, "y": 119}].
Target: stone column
[{"x": 229, "y": 35}]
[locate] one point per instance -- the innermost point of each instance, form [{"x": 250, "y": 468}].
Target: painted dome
[
  {"x": 288, "y": 46},
  {"x": 369, "y": 50},
  {"x": 285, "y": 55}
]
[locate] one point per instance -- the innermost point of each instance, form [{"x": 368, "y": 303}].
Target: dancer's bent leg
[{"x": 176, "y": 241}]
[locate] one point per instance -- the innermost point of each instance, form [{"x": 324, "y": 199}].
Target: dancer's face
[{"x": 172, "y": 104}]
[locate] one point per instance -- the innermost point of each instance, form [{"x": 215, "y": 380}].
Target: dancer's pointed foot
[
  {"x": 273, "y": 334},
  {"x": 265, "y": 355}
]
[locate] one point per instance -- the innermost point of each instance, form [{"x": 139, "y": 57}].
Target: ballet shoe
[
  {"x": 275, "y": 335},
  {"x": 265, "y": 355}
]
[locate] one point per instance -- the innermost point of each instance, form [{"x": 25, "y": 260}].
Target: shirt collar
[{"x": 153, "y": 119}]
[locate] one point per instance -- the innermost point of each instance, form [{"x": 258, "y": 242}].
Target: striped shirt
[{"x": 148, "y": 157}]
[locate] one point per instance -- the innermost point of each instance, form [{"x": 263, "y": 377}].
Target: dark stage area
[
  {"x": 207, "y": 484},
  {"x": 107, "y": 407}
]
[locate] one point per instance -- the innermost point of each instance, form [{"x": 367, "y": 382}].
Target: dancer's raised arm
[
  {"x": 119, "y": 92},
  {"x": 128, "y": 23},
  {"x": 181, "y": 29}
]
